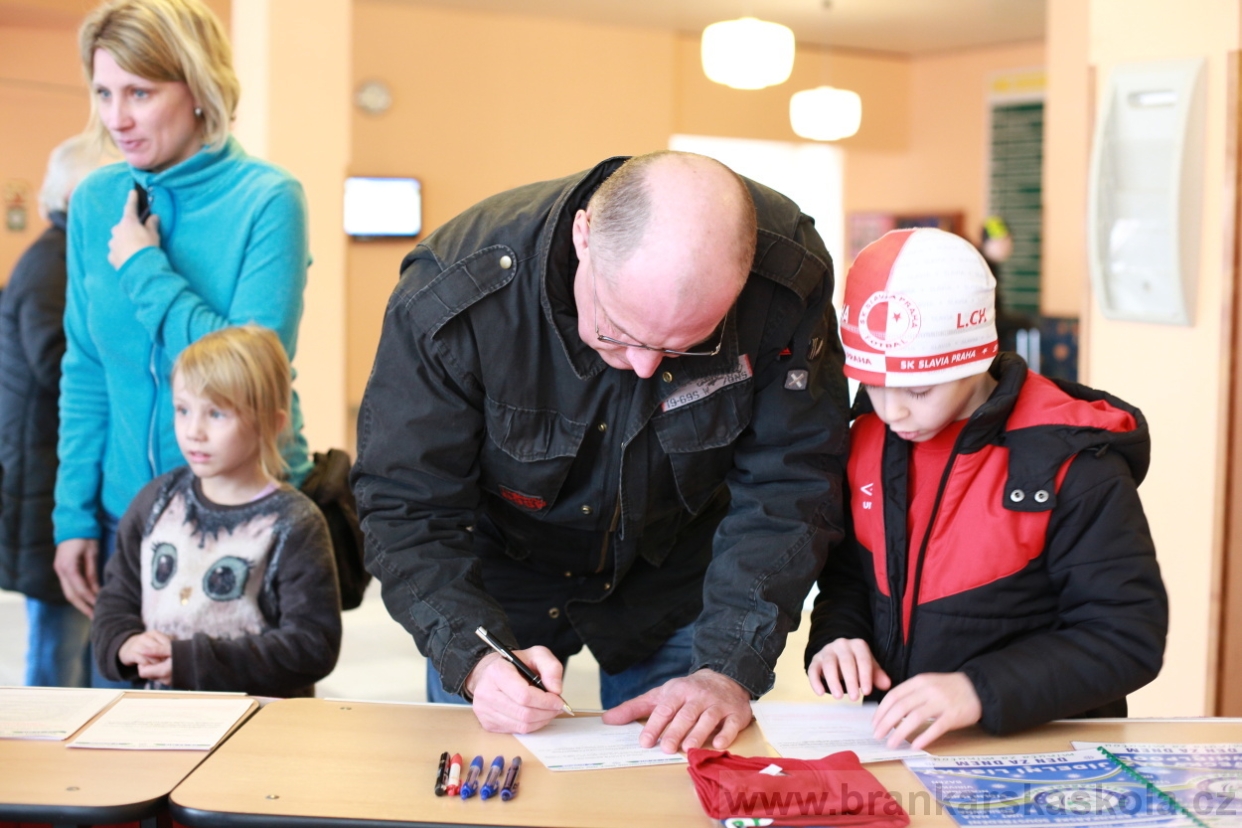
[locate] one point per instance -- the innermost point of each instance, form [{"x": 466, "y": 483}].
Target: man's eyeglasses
[{"x": 664, "y": 351}]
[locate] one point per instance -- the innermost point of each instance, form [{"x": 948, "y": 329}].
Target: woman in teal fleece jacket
[{"x": 224, "y": 244}]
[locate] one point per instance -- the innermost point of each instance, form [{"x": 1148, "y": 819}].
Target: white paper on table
[
  {"x": 49, "y": 712},
  {"x": 164, "y": 724},
  {"x": 814, "y": 730},
  {"x": 586, "y": 743}
]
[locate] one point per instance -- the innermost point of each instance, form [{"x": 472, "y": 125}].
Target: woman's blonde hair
[
  {"x": 166, "y": 40},
  {"x": 245, "y": 369}
]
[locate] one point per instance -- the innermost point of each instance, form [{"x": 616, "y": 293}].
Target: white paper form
[
  {"x": 49, "y": 712},
  {"x": 164, "y": 724},
  {"x": 814, "y": 730},
  {"x": 586, "y": 743}
]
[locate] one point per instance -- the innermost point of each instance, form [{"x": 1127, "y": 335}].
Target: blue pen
[
  {"x": 492, "y": 786},
  {"x": 471, "y": 784},
  {"x": 511, "y": 781}
]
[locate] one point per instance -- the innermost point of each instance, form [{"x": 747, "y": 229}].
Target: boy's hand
[
  {"x": 949, "y": 699},
  {"x": 848, "y": 662}
]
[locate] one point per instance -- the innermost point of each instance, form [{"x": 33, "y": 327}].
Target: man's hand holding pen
[
  {"x": 505, "y": 702},
  {"x": 518, "y": 691}
]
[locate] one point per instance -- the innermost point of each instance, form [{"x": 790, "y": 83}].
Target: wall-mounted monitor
[{"x": 383, "y": 207}]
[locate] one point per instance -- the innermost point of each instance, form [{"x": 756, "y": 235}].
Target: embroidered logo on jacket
[
  {"x": 704, "y": 387},
  {"x": 796, "y": 380},
  {"x": 523, "y": 500}
]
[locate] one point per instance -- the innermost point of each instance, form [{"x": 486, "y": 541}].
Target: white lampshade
[
  {"x": 825, "y": 113},
  {"x": 748, "y": 53}
]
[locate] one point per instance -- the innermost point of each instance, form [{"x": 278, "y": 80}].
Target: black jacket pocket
[
  {"x": 528, "y": 454},
  {"x": 699, "y": 441}
]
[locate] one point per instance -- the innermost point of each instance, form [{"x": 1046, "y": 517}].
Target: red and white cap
[{"x": 920, "y": 309}]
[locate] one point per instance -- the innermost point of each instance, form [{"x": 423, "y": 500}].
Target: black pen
[
  {"x": 442, "y": 774},
  {"x": 511, "y": 784},
  {"x": 527, "y": 673}
]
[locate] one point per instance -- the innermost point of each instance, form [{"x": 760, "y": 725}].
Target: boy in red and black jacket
[{"x": 1000, "y": 570}]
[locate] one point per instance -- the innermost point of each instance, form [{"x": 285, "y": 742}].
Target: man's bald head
[
  {"x": 664, "y": 249},
  {"x": 690, "y": 206}
]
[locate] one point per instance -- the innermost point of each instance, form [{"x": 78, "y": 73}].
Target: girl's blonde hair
[
  {"x": 166, "y": 40},
  {"x": 246, "y": 370}
]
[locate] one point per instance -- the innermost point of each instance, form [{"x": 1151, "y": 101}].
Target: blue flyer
[
  {"x": 1050, "y": 790},
  {"x": 1206, "y": 780}
]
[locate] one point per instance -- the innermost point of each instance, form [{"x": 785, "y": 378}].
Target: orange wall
[
  {"x": 883, "y": 82},
  {"x": 1067, "y": 152},
  {"x": 293, "y": 58},
  {"x": 1178, "y": 375},
  {"x": 43, "y": 101},
  {"x": 944, "y": 168},
  {"x": 482, "y": 102}
]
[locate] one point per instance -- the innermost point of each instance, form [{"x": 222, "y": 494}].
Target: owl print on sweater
[{"x": 206, "y": 578}]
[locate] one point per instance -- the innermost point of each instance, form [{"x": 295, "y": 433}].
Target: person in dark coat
[
  {"x": 608, "y": 411},
  {"x": 32, "y": 342}
]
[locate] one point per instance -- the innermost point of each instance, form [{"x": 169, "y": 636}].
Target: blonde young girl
[{"x": 223, "y": 578}]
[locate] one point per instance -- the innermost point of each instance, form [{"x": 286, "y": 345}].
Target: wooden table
[
  {"x": 313, "y": 762},
  {"x": 43, "y": 781}
]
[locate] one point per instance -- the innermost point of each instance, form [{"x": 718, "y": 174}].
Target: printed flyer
[
  {"x": 1206, "y": 780},
  {"x": 1049, "y": 790}
]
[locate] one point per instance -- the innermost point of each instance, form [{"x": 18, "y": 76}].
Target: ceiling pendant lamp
[
  {"x": 825, "y": 113},
  {"x": 748, "y": 53}
]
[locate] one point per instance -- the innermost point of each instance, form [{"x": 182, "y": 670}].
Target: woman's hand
[
  {"x": 75, "y": 567},
  {"x": 130, "y": 235}
]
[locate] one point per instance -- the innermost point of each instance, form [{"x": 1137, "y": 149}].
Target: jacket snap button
[
  {"x": 554, "y": 613},
  {"x": 569, "y": 574},
  {"x": 607, "y": 586},
  {"x": 506, "y": 262},
  {"x": 667, "y": 376},
  {"x": 602, "y": 427},
  {"x": 1017, "y": 495},
  {"x": 586, "y": 510},
  {"x": 1041, "y": 496}
]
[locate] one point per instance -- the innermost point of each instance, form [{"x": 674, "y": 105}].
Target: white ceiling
[{"x": 902, "y": 26}]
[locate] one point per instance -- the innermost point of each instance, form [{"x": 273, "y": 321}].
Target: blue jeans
[
  {"x": 107, "y": 546},
  {"x": 671, "y": 661},
  {"x": 57, "y": 646}
]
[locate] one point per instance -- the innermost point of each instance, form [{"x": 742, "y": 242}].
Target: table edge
[
  {"x": 83, "y": 814},
  {"x": 199, "y": 818}
]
